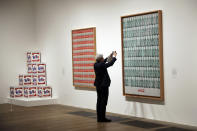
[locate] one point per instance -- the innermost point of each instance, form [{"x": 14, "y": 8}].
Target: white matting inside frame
[{"x": 142, "y": 91}]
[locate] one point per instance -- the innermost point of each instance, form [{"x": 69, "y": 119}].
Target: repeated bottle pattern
[{"x": 141, "y": 51}]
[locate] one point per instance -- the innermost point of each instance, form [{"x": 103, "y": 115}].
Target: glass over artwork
[{"x": 142, "y": 55}]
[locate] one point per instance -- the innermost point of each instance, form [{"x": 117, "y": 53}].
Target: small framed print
[
  {"x": 47, "y": 91},
  {"x": 32, "y": 92},
  {"x": 12, "y": 92},
  {"x": 40, "y": 91},
  {"x": 29, "y": 68},
  {"x": 27, "y": 79},
  {"x": 26, "y": 91},
  {"x": 28, "y": 57},
  {"x": 41, "y": 79},
  {"x": 41, "y": 68},
  {"x": 20, "y": 77},
  {"x": 34, "y": 68},
  {"x": 34, "y": 80},
  {"x": 36, "y": 57},
  {"x": 18, "y": 92}
]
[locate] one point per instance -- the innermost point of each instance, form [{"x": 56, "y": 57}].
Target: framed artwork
[
  {"x": 20, "y": 77},
  {"x": 47, "y": 91},
  {"x": 32, "y": 92},
  {"x": 142, "y": 55},
  {"x": 18, "y": 91},
  {"x": 83, "y": 56},
  {"x": 41, "y": 68}
]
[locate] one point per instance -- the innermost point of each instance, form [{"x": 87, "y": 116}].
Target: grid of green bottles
[{"x": 141, "y": 51}]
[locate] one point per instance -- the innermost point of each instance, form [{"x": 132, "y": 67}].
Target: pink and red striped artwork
[{"x": 83, "y": 56}]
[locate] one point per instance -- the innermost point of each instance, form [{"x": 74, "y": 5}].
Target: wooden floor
[{"x": 65, "y": 118}]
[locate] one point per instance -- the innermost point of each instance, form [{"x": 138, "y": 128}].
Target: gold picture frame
[
  {"x": 142, "y": 55},
  {"x": 83, "y": 56}
]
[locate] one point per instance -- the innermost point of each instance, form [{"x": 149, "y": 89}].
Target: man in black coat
[{"x": 102, "y": 83}]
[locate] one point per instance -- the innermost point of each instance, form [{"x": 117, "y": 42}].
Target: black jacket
[{"x": 102, "y": 76}]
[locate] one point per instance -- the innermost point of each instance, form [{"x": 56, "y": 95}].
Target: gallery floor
[{"x": 65, "y": 118}]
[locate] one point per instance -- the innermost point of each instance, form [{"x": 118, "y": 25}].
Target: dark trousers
[{"x": 102, "y": 98}]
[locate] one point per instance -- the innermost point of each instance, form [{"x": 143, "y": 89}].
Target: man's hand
[{"x": 114, "y": 53}]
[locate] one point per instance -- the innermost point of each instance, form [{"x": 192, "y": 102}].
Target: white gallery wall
[
  {"x": 56, "y": 19},
  {"x": 17, "y": 35},
  {"x": 50, "y": 27}
]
